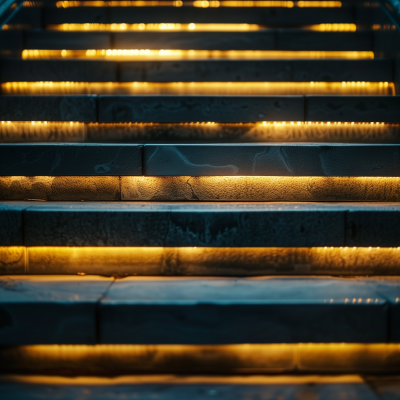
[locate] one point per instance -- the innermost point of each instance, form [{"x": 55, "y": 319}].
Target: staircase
[{"x": 200, "y": 199}]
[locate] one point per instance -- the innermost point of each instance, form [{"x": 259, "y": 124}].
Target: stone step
[
  {"x": 171, "y": 387},
  {"x": 165, "y": 108},
  {"x": 70, "y": 310},
  {"x": 324, "y": 160},
  {"x": 200, "y": 224},
  {"x": 317, "y": 70},
  {"x": 270, "y": 39}
]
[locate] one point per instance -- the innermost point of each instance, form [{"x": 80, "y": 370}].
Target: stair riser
[
  {"x": 378, "y": 70},
  {"x": 200, "y": 108}
]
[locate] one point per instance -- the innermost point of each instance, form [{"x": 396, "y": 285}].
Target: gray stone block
[
  {"x": 377, "y": 226},
  {"x": 200, "y": 108},
  {"x": 271, "y": 160},
  {"x": 192, "y": 40},
  {"x": 353, "y": 108},
  {"x": 70, "y": 159},
  {"x": 206, "y": 70},
  {"x": 377, "y": 70},
  {"x": 49, "y": 310},
  {"x": 59, "y": 40},
  {"x": 224, "y": 311},
  {"x": 48, "y": 108},
  {"x": 11, "y": 230},
  {"x": 18, "y": 70},
  {"x": 183, "y": 224},
  {"x": 324, "y": 41}
]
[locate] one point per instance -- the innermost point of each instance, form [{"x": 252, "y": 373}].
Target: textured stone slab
[
  {"x": 200, "y": 108},
  {"x": 324, "y": 41},
  {"x": 12, "y": 260},
  {"x": 379, "y": 70},
  {"x": 182, "y": 224},
  {"x": 376, "y": 70},
  {"x": 18, "y": 70},
  {"x": 386, "y": 387},
  {"x": 11, "y": 230},
  {"x": 211, "y": 261},
  {"x": 389, "y": 288},
  {"x": 223, "y": 311},
  {"x": 196, "y": 388},
  {"x": 245, "y": 188},
  {"x": 69, "y": 159},
  {"x": 356, "y": 108},
  {"x": 231, "y": 133},
  {"x": 60, "y": 188},
  {"x": 271, "y": 160},
  {"x": 48, "y": 108},
  {"x": 113, "y": 360},
  {"x": 377, "y": 226},
  {"x": 59, "y": 40},
  {"x": 206, "y": 70},
  {"x": 49, "y": 310},
  {"x": 248, "y": 40},
  {"x": 248, "y": 15}
]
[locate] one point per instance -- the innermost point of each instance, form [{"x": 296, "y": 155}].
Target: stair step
[
  {"x": 375, "y": 70},
  {"x": 190, "y": 387},
  {"x": 335, "y": 160},
  {"x": 265, "y": 132},
  {"x": 166, "y": 108},
  {"x": 270, "y": 39},
  {"x": 199, "y": 261},
  {"x": 196, "y": 310},
  {"x": 186, "y": 15},
  {"x": 200, "y": 224},
  {"x": 37, "y": 310}
]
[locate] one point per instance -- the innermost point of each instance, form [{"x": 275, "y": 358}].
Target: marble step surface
[
  {"x": 201, "y": 311},
  {"x": 199, "y": 224},
  {"x": 165, "y": 108}
]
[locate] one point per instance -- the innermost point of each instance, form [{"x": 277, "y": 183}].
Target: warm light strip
[
  {"x": 185, "y": 261},
  {"x": 211, "y": 132},
  {"x": 191, "y": 27},
  {"x": 199, "y": 88},
  {"x": 157, "y": 27},
  {"x": 165, "y": 54},
  {"x": 200, "y": 4},
  {"x": 105, "y": 359}
]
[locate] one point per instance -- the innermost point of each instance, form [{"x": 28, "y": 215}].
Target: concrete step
[
  {"x": 324, "y": 160},
  {"x": 206, "y": 132},
  {"x": 69, "y": 310},
  {"x": 269, "y": 39},
  {"x": 193, "y": 387},
  {"x": 30, "y": 70},
  {"x": 166, "y": 108},
  {"x": 200, "y": 224}
]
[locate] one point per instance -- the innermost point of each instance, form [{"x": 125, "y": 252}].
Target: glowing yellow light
[
  {"x": 155, "y": 27},
  {"x": 199, "y": 88},
  {"x": 334, "y": 27},
  {"x": 329, "y": 4},
  {"x": 102, "y": 359}
]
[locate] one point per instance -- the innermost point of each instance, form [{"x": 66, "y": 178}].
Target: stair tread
[
  {"x": 273, "y": 159},
  {"x": 196, "y": 388},
  {"x": 200, "y": 224}
]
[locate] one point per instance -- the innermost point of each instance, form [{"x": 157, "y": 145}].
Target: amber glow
[
  {"x": 334, "y": 27},
  {"x": 199, "y": 88},
  {"x": 133, "y": 132},
  {"x": 199, "y": 4},
  {"x": 245, "y": 358},
  {"x": 156, "y": 27},
  {"x": 199, "y": 261},
  {"x": 165, "y": 54}
]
